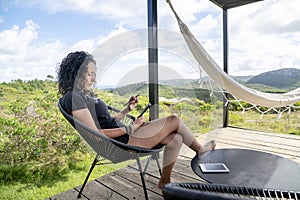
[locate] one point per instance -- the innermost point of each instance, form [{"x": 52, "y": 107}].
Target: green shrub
[
  {"x": 235, "y": 118},
  {"x": 36, "y": 141}
]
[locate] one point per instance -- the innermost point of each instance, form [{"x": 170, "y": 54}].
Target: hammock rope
[{"x": 274, "y": 101}]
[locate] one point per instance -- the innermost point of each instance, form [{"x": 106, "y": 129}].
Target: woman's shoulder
[
  {"x": 71, "y": 95},
  {"x": 73, "y": 100}
]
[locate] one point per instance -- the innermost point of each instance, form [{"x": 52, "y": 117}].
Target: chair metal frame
[{"x": 112, "y": 150}]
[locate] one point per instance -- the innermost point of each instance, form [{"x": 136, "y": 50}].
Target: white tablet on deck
[{"x": 213, "y": 168}]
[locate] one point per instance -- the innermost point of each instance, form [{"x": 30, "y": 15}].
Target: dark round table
[{"x": 250, "y": 168}]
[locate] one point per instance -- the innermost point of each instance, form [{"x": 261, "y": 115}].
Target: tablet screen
[{"x": 213, "y": 167}]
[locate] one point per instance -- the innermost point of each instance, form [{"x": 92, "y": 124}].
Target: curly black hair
[{"x": 71, "y": 72}]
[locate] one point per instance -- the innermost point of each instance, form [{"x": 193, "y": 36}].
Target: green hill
[
  {"x": 288, "y": 78},
  {"x": 278, "y": 81},
  {"x": 168, "y": 91}
]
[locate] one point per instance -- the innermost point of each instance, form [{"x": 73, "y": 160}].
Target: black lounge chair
[
  {"x": 205, "y": 191},
  {"x": 108, "y": 149}
]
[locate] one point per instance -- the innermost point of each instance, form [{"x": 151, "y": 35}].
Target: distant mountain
[
  {"x": 178, "y": 82},
  {"x": 277, "y": 81},
  {"x": 281, "y": 79},
  {"x": 242, "y": 79}
]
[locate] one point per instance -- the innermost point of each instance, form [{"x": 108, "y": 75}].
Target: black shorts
[{"x": 123, "y": 138}]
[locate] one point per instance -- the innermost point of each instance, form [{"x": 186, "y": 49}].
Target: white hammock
[{"x": 228, "y": 84}]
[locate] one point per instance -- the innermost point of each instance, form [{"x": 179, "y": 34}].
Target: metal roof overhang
[{"x": 227, "y": 4}]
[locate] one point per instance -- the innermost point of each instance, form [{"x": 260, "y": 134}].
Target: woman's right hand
[{"x": 138, "y": 122}]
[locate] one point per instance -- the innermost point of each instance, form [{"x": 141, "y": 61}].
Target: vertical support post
[
  {"x": 225, "y": 67},
  {"x": 225, "y": 5},
  {"x": 153, "y": 58}
]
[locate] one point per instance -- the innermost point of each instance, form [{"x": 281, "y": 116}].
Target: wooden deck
[{"x": 126, "y": 184}]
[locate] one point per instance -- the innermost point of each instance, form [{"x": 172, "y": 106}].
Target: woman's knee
[
  {"x": 175, "y": 142},
  {"x": 174, "y": 119}
]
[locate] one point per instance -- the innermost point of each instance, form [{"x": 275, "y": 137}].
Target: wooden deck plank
[
  {"x": 96, "y": 191},
  {"x": 275, "y": 140},
  {"x": 130, "y": 185},
  {"x": 151, "y": 181},
  {"x": 67, "y": 195},
  {"x": 269, "y": 140},
  {"x": 286, "y": 146},
  {"x": 126, "y": 183}
]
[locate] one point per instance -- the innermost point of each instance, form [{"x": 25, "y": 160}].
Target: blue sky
[{"x": 35, "y": 35}]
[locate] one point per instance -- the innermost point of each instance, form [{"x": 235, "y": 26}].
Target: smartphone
[
  {"x": 145, "y": 109},
  {"x": 213, "y": 168},
  {"x": 129, "y": 101}
]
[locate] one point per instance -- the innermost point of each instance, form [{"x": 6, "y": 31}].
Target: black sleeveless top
[{"x": 74, "y": 100}]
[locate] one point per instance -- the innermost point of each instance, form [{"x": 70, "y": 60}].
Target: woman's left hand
[{"x": 133, "y": 101}]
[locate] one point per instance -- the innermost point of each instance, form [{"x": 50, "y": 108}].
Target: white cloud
[
  {"x": 133, "y": 12},
  {"x": 84, "y": 45},
  {"x": 263, "y": 36},
  {"x": 25, "y": 58},
  {"x": 15, "y": 40},
  {"x": 111, "y": 9}
]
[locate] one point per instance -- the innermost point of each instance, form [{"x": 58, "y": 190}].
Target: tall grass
[
  {"x": 286, "y": 123},
  {"x": 22, "y": 189},
  {"x": 41, "y": 155}
]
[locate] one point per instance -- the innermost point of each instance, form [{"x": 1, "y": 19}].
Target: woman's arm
[
  {"x": 130, "y": 106},
  {"x": 120, "y": 115},
  {"x": 86, "y": 118}
]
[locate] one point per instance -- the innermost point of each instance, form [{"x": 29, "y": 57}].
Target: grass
[
  {"x": 288, "y": 124},
  {"x": 18, "y": 190}
]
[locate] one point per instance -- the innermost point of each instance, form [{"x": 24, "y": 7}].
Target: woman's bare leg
[
  {"x": 168, "y": 131},
  {"x": 190, "y": 140},
  {"x": 173, "y": 144},
  {"x": 153, "y": 133}
]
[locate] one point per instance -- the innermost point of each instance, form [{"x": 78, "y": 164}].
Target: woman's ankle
[{"x": 162, "y": 183}]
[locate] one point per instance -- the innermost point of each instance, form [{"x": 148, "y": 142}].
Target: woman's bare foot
[{"x": 211, "y": 145}]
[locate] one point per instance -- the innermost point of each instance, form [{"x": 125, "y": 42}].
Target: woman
[{"x": 77, "y": 75}]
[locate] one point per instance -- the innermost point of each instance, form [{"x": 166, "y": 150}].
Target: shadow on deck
[{"x": 126, "y": 184}]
